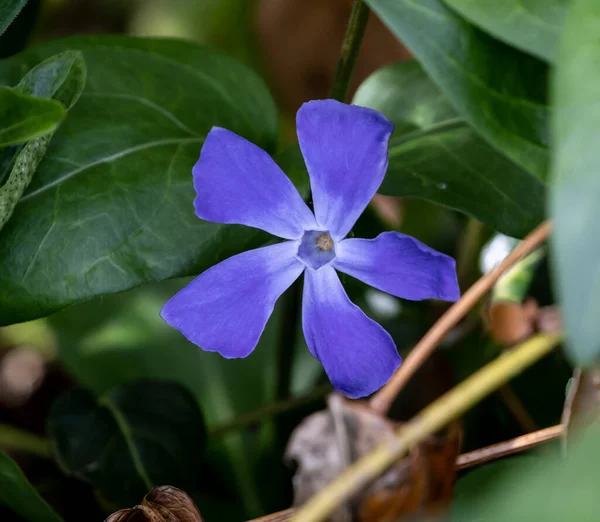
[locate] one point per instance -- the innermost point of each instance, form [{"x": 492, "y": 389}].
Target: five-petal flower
[{"x": 226, "y": 308}]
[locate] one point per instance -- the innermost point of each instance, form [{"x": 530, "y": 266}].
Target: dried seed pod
[{"x": 162, "y": 504}]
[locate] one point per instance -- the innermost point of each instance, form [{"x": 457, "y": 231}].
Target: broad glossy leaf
[
  {"x": 110, "y": 207},
  {"x": 130, "y": 439},
  {"x": 498, "y": 89},
  {"x": 17, "y": 493},
  {"x": 435, "y": 154},
  {"x": 9, "y": 9},
  {"x": 23, "y": 117},
  {"x": 531, "y": 25},
  {"x": 60, "y": 78},
  {"x": 576, "y": 189}
]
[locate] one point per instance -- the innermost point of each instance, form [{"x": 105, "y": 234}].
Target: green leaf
[
  {"x": 59, "y": 78},
  {"x": 9, "y": 9},
  {"x": 24, "y": 117},
  {"x": 499, "y": 90},
  {"x": 576, "y": 190},
  {"x": 434, "y": 154},
  {"x": 134, "y": 437},
  {"x": 553, "y": 489},
  {"x": 18, "y": 494},
  {"x": 111, "y": 205},
  {"x": 121, "y": 338},
  {"x": 531, "y": 25}
]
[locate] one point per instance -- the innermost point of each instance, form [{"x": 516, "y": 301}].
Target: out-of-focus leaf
[
  {"x": 23, "y": 117},
  {"x": 514, "y": 284},
  {"x": 481, "y": 482},
  {"x": 9, "y": 9},
  {"x": 576, "y": 189},
  {"x": 60, "y": 78},
  {"x": 111, "y": 206},
  {"x": 582, "y": 405},
  {"x": 531, "y": 25},
  {"x": 130, "y": 438},
  {"x": 435, "y": 154},
  {"x": 553, "y": 489},
  {"x": 162, "y": 504},
  {"x": 18, "y": 494},
  {"x": 499, "y": 90}
]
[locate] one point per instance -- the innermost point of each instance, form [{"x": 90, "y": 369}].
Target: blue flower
[{"x": 226, "y": 308}]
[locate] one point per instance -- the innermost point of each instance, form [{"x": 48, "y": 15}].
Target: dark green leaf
[
  {"x": 121, "y": 338},
  {"x": 9, "y": 9},
  {"x": 576, "y": 189},
  {"x": 18, "y": 33},
  {"x": 18, "y": 494},
  {"x": 531, "y": 25},
  {"x": 60, "y": 78},
  {"x": 130, "y": 439},
  {"x": 499, "y": 90},
  {"x": 23, "y": 117},
  {"x": 550, "y": 490},
  {"x": 434, "y": 154},
  {"x": 110, "y": 206}
]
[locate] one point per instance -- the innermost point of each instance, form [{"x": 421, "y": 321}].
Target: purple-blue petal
[
  {"x": 358, "y": 355},
  {"x": 225, "y": 309},
  {"x": 238, "y": 183},
  {"x": 399, "y": 265},
  {"x": 345, "y": 148}
]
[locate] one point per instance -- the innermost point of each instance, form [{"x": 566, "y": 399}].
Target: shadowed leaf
[
  {"x": 129, "y": 439},
  {"x": 18, "y": 494}
]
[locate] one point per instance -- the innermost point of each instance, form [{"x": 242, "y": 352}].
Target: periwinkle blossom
[{"x": 225, "y": 309}]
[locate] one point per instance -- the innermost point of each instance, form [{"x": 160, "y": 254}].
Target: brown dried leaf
[
  {"x": 327, "y": 442},
  {"x": 162, "y": 504},
  {"x": 582, "y": 405}
]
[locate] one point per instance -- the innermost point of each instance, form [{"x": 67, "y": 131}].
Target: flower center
[
  {"x": 324, "y": 242},
  {"x": 316, "y": 249}
]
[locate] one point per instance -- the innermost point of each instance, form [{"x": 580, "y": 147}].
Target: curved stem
[
  {"x": 357, "y": 24},
  {"x": 383, "y": 399},
  {"x": 15, "y": 439},
  {"x": 429, "y": 421},
  {"x": 270, "y": 410}
]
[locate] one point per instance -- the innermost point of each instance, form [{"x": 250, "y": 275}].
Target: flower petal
[
  {"x": 237, "y": 182},
  {"x": 225, "y": 309},
  {"x": 399, "y": 265},
  {"x": 358, "y": 355},
  {"x": 345, "y": 151}
]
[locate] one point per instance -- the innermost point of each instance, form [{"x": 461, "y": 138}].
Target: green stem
[
  {"x": 287, "y": 340},
  {"x": 429, "y": 421},
  {"x": 262, "y": 414},
  {"x": 14, "y": 439},
  {"x": 359, "y": 16},
  {"x": 467, "y": 266}
]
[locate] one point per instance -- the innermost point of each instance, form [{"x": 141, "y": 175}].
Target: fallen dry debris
[
  {"x": 329, "y": 441},
  {"x": 162, "y": 504}
]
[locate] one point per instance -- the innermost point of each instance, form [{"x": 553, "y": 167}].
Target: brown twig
[
  {"x": 509, "y": 447},
  {"x": 384, "y": 398},
  {"x": 516, "y": 407}
]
